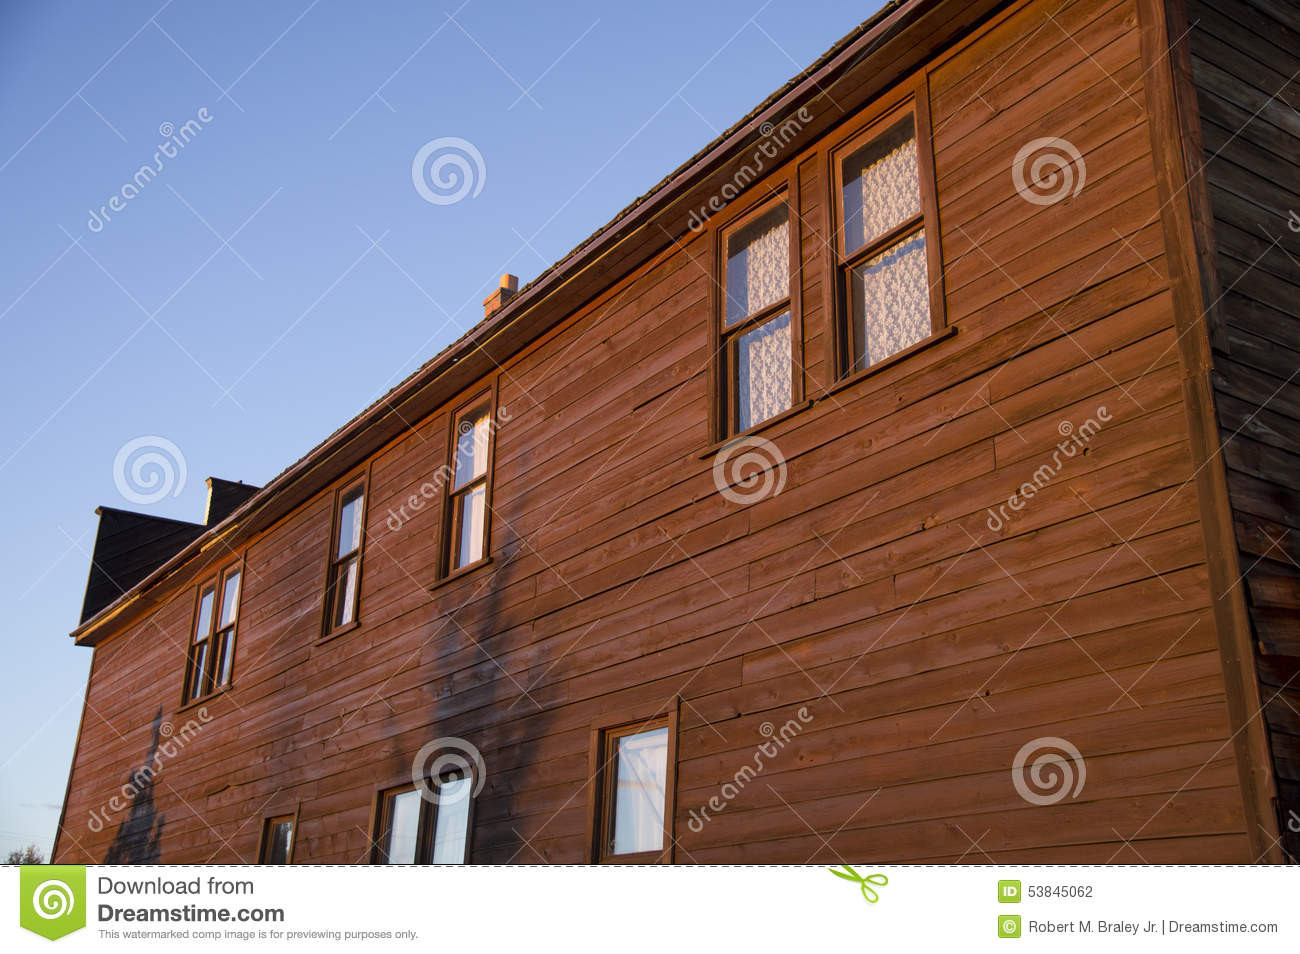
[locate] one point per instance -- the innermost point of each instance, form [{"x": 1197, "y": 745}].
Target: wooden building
[{"x": 910, "y": 476}]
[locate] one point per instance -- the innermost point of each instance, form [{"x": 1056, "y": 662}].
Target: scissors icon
[{"x": 865, "y": 883}]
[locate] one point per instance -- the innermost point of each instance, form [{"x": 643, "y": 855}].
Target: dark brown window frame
[
  {"x": 602, "y": 781},
  {"x": 427, "y": 825},
  {"x": 486, "y": 398},
  {"x": 334, "y": 563},
  {"x": 911, "y": 96},
  {"x": 211, "y": 667},
  {"x": 724, "y": 384},
  {"x": 268, "y": 823}
]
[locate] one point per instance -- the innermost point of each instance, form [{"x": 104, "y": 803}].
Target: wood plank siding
[
  {"x": 870, "y": 600},
  {"x": 1245, "y": 66}
]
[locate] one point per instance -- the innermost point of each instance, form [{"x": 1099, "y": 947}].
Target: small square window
[{"x": 635, "y": 778}]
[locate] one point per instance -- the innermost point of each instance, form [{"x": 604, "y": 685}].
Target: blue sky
[{"x": 281, "y": 270}]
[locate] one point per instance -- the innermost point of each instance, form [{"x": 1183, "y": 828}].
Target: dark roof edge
[{"x": 886, "y": 23}]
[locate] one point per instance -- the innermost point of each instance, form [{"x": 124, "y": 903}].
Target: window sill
[
  {"x": 210, "y": 697},
  {"x": 463, "y": 571},
  {"x": 757, "y": 428},
  {"x": 892, "y": 360},
  {"x": 341, "y": 631}
]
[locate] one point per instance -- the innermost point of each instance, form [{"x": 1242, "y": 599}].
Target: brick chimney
[{"x": 493, "y": 302}]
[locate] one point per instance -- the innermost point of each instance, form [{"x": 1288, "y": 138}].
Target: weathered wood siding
[
  {"x": 1246, "y": 64},
  {"x": 926, "y": 648}
]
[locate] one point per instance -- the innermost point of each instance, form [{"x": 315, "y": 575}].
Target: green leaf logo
[{"x": 52, "y": 899}]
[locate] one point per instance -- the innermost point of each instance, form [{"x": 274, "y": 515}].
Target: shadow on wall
[{"x": 138, "y": 837}]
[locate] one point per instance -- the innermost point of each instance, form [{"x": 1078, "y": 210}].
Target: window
[
  {"x": 343, "y": 580},
  {"x": 887, "y": 251},
  {"x": 419, "y": 830},
  {"x": 635, "y": 795},
  {"x": 212, "y": 645},
  {"x": 277, "y": 841},
  {"x": 758, "y": 333},
  {"x": 469, "y": 506}
]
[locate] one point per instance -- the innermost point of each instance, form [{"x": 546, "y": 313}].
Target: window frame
[
  {"x": 360, "y": 478},
  {"x": 910, "y": 97},
  {"x": 602, "y": 782},
  {"x": 723, "y": 339},
  {"x": 217, "y": 581},
  {"x": 485, "y": 398},
  {"x": 427, "y": 825},
  {"x": 268, "y": 823}
]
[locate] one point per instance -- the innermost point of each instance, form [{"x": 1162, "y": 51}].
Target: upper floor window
[
  {"x": 469, "y": 503},
  {"x": 887, "y": 254},
  {"x": 343, "y": 579},
  {"x": 758, "y": 330},
  {"x": 634, "y": 809},
  {"x": 431, "y": 827},
  {"x": 212, "y": 643},
  {"x": 277, "y": 841}
]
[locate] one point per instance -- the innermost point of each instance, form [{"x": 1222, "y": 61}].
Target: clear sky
[{"x": 281, "y": 270}]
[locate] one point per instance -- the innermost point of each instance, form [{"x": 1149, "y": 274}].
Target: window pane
[
  {"x": 197, "y": 677},
  {"x": 203, "y": 625},
  {"x": 763, "y": 366},
  {"x": 469, "y": 520},
  {"x": 641, "y": 764},
  {"x": 349, "y": 522},
  {"x": 472, "y": 436},
  {"x": 345, "y": 594},
  {"x": 758, "y": 264},
  {"x": 890, "y": 298},
  {"x": 882, "y": 186},
  {"x": 452, "y": 827},
  {"x": 278, "y": 842},
  {"x": 229, "y": 599},
  {"x": 403, "y": 828},
  {"x": 226, "y": 644}
]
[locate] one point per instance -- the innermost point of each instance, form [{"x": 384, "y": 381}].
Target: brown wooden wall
[
  {"x": 926, "y": 648},
  {"x": 1245, "y": 61}
]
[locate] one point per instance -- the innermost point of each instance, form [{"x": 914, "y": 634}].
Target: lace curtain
[
  {"x": 891, "y": 301},
  {"x": 763, "y": 372},
  {"x": 758, "y": 265},
  {"x": 882, "y": 187}
]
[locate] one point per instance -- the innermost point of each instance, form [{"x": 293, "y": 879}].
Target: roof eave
[{"x": 258, "y": 511}]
